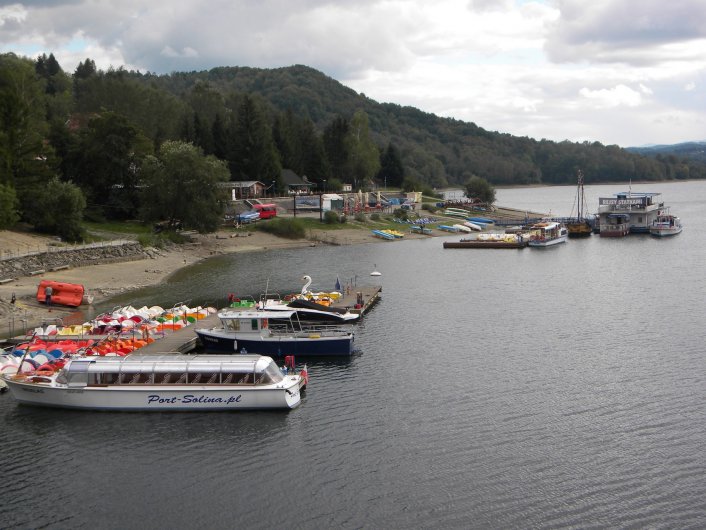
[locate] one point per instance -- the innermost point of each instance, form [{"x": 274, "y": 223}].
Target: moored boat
[
  {"x": 253, "y": 332},
  {"x": 628, "y": 212},
  {"x": 547, "y": 233},
  {"x": 162, "y": 382},
  {"x": 666, "y": 225},
  {"x": 312, "y": 311},
  {"x": 579, "y": 226}
]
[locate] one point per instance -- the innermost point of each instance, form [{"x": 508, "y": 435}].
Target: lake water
[{"x": 552, "y": 388}]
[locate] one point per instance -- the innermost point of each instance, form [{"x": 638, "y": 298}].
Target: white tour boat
[
  {"x": 162, "y": 382},
  {"x": 547, "y": 233}
]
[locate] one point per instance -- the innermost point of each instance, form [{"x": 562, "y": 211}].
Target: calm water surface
[{"x": 562, "y": 387}]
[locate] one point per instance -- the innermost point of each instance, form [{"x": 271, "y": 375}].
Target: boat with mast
[{"x": 579, "y": 226}]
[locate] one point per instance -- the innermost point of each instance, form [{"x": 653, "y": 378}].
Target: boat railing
[{"x": 302, "y": 326}]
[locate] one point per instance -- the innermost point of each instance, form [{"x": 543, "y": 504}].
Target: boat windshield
[{"x": 272, "y": 374}]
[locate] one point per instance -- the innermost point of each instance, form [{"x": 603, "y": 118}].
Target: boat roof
[
  {"x": 637, "y": 194},
  {"x": 260, "y": 314},
  {"x": 545, "y": 224},
  {"x": 170, "y": 363}
]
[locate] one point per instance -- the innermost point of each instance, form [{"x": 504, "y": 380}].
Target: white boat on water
[
  {"x": 666, "y": 225},
  {"x": 274, "y": 333},
  {"x": 162, "y": 382},
  {"x": 547, "y": 233},
  {"x": 311, "y": 311}
]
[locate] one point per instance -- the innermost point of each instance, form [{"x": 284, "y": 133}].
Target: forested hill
[
  {"x": 437, "y": 151},
  {"x": 688, "y": 150}
]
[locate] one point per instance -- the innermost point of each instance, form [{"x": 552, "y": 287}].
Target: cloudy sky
[{"x": 615, "y": 71}]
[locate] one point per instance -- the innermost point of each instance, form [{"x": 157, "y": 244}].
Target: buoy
[{"x": 375, "y": 272}]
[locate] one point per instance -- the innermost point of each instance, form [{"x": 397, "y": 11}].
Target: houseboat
[
  {"x": 628, "y": 212},
  {"x": 274, "y": 333},
  {"x": 173, "y": 382}
]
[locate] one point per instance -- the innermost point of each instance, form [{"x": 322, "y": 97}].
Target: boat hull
[
  {"x": 308, "y": 344},
  {"x": 665, "y": 232},
  {"x": 547, "y": 242},
  {"x": 157, "y": 398},
  {"x": 579, "y": 229}
]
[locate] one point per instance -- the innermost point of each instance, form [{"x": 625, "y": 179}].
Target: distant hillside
[
  {"x": 690, "y": 150},
  {"x": 438, "y": 151}
]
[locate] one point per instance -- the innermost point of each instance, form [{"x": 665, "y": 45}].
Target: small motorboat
[{"x": 666, "y": 225}]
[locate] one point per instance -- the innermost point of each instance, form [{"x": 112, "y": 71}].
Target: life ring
[{"x": 45, "y": 369}]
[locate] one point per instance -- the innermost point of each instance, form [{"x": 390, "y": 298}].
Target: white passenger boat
[
  {"x": 274, "y": 333},
  {"x": 547, "y": 233},
  {"x": 162, "y": 382},
  {"x": 666, "y": 225}
]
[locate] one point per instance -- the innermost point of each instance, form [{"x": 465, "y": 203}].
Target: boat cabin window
[
  {"x": 253, "y": 323},
  {"x": 231, "y": 324}
]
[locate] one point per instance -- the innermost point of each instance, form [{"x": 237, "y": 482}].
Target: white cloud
[
  {"x": 613, "y": 97},
  {"x": 615, "y": 71}
]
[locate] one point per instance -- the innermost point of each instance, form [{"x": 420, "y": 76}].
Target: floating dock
[
  {"x": 484, "y": 244},
  {"x": 359, "y": 299}
]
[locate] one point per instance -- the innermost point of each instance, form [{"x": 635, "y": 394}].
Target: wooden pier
[{"x": 359, "y": 299}]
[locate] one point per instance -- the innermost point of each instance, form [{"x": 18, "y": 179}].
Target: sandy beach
[{"x": 104, "y": 281}]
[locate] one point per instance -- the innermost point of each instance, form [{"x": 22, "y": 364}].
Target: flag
[{"x": 338, "y": 284}]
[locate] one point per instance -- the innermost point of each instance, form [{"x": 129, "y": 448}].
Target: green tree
[
  {"x": 58, "y": 209},
  {"x": 481, "y": 189},
  {"x": 57, "y": 87},
  {"x": 391, "y": 168},
  {"x": 8, "y": 206},
  {"x": 25, "y": 160},
  {"x": 181, "y": 184},
  {"x": 364, "y": 159},
  {"x": 107, "y": 164},
  {"x": 336, "y": 148},
  {"x": 253, "y": 154}
]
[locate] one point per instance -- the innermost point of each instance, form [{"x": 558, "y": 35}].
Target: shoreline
[{"x": 104, "y": 281}]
